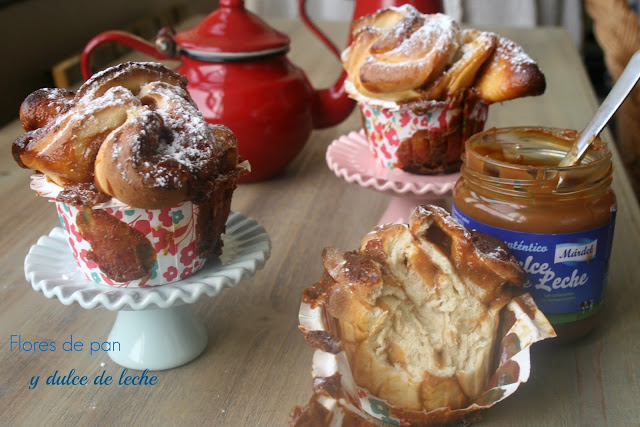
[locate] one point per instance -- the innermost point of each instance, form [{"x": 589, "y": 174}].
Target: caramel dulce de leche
[{"x": 558, "y": 222}]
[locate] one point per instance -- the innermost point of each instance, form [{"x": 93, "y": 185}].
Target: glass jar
[{"x": 558, "y": 222}]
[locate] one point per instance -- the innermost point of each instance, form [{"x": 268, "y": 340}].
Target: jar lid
[
  {"x": 519, "y": 157},
  {"x": 232, "y": 33}
]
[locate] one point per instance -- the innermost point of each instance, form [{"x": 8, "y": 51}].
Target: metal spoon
[{"x": 609, "y": 106}]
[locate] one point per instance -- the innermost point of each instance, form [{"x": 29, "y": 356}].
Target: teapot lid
[{"x": 232, "y": 33}]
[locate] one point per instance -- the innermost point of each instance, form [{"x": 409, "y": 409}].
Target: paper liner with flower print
[
  {"x": 522, "y": 324},
  {"x": 421, "y": 136},
  {"x": 171, "y": 233}
]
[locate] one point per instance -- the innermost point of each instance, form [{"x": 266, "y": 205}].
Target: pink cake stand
[{"x": 349, "y": 158}]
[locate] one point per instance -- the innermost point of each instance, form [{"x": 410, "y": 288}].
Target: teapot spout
[{"x": 332, "y": 105}]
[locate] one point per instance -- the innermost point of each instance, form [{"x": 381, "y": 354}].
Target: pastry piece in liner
[
  {"x": 131, "y": 132},
  {"x": 417, "y": 309},
  {"x": 424, "y": 85},
  {"x": 399, "y": 54},
  {"x": 142, "y": 182}
]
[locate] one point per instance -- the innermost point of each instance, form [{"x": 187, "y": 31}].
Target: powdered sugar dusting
[
  {"x": 436, "y": 33},
  {"x": 95, "y": 86},
  {"x": 56, "y": 99},
  {"x": 512, "y": 51},
  {"x": 133, "y": 124},
  {"x": 168, "y": 139},
  {"x": 51, "y": 93},
  {"x": 189, "y": 139},
  {"x": 88, "y": 116},
  {"x": 407, "y": 53},
  {"x": 116, "y": 95},
  {"x": 114, "y": 98}
]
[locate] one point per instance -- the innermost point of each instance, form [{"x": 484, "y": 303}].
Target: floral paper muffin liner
[
  {"x": 424, "y": 140},
  {"x": 523, "y": 324},
  {"x": 113, "y": 240},
  {"x": 171, "y": 234}
]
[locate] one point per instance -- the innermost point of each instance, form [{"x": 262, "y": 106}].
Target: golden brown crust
[
  {"x": 475, "y": 49},
  {"x": 397, "y": 50},
  {"x": 39, "y": 107},
  {"x": 417, "y": 310},
  {"x": 133, "y": 131},
  {"x": 404, "y": 60},
  {"x": 399, "y": 54},
  {"x": 151, "y": 159},
  {"x": 128, "y": 166},
  {"x": 479, "y": 259},
  {"x": 509, "y": 73},
  {"x": 65, "y": 149},
  {"x": 130, "y": 75}
]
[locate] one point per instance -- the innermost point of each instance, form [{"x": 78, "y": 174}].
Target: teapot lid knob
[
  {"x": 232, "y": 32},
  {"x": 232, "y": 3}
]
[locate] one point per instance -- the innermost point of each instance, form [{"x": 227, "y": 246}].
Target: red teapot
[{"x": 239, "y": 76}]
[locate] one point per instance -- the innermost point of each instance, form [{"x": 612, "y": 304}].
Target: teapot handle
[
  {"x": 315, "y": 30},
  {"x": 135, "y": 42}
]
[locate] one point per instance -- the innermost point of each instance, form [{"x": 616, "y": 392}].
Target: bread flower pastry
[
  {"x": 400, "y": 54},
  {"x": 143, "y": 183},
  {"x": 417, "y": 309},
  {"x": 132, "y": 131},
  {"x": 424, "y": 85}
]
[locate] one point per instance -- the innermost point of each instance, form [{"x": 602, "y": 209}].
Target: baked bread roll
[
  {"x": 42, "y": 105},
  {"x": 417, "y": 309},
  {"x": 398, "y": 49},
  {"x": 131, "y": 132},
  {"x": 399, "y": 54}
]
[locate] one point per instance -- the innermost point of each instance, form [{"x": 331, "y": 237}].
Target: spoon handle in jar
[{"x": 611, "y": 103}]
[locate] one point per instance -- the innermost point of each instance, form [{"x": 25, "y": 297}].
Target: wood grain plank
[{"x": 257, "y": 365}]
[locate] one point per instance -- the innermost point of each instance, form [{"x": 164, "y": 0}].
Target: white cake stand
[
  {"x": 155, "y": 327},
  {"x": 349, "y": 158}
]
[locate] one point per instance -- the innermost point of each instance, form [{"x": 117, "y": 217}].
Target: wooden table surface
[{"x": 257, "y": 366}]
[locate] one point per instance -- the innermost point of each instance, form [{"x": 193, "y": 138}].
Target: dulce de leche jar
[{"x": 558, "y": 222}]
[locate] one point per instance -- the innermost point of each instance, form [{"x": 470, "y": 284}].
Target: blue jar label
[{"x": 566, "y": 273}]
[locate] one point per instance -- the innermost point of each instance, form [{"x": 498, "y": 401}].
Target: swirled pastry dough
[
  {"x": 133, "y": 132},
  {"x": 399, "y": 54}
]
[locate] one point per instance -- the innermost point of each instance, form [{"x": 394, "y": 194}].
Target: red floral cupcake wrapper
[
  {"x": 387, "y": 128},
  {"x": 168, "y": 234}
]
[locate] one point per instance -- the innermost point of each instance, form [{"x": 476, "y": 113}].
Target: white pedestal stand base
[
  {"x": 155, "y": 328},
  {"x": 162, "y": 339}
]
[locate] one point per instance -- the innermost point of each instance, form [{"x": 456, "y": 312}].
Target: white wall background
[
  {"x": 518, "y": 13},
  {"x": 335, "y": 10}
]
